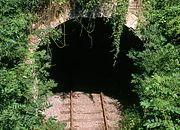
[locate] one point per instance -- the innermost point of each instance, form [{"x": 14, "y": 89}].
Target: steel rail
[
  {"x": 104, "y": 113},
  {"x": 71, "y": 111}
]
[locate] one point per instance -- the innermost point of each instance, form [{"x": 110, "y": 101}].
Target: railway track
[{"x": 83, "y": 111}]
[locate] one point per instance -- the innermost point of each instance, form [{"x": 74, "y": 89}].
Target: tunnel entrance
[{"x": 86, "y": 62}]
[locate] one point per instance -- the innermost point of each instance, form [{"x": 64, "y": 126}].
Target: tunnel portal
[{"x": 86, "y": 62}]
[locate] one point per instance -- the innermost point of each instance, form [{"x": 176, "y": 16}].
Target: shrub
[
  {"x": 158, "y": 79},
  {"x": 19, "y": 110}
]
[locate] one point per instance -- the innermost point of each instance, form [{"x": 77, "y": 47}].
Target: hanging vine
[
  {"x": 90, "y": 7},
  {"x": 89, "y": 29},
  {"x": 118, "y": 20}
]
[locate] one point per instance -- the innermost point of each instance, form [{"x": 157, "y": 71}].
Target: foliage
[
  {"x": 88, "y": 5},
  {"x": 118, "y": 21},
  {"x": 19, "y": 110},
  {"x": 51, "y": 124},
  {"x": 157, "y": 82},
  {"x": 131, "y": 119}
]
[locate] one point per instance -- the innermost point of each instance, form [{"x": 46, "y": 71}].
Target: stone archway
[
  {"x": 68, "y": 13},
  {"x": 84, "y": 70}
]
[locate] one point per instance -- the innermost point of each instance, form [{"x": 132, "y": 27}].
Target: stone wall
[{"x": 67, "y": 12}]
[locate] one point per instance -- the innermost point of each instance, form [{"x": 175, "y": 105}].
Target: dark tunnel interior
[{"x": 86, "y": 62}]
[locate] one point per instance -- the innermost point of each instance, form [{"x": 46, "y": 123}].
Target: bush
[
  {"x": 19, "y": 110},
  {"x": 158, "y": 79},
  {"x": 131, "y": 119}
]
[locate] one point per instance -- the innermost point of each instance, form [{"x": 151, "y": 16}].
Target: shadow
[
  {"x": 124, "y": 68},
  {"x": 86, "y": 63}
]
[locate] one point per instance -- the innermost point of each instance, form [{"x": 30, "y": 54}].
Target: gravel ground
[{"x": 87, "y": 111}]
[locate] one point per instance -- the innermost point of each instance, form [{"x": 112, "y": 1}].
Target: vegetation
[
  {"x": 117, "y": 19},
  {"x": 20, "y": 70},
  {"x": 157, "y": 80},
  {"x": 24, "y": 81}
]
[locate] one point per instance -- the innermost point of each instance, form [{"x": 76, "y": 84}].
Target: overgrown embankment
[
  {"x": 157, "y": 79},
  {"x": 21, "y": 70}
]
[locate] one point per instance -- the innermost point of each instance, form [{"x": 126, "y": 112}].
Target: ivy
[{"x": 118, "y": 21}]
